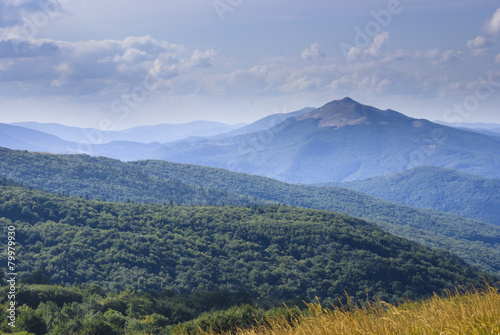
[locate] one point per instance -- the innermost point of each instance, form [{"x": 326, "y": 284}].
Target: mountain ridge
[
  {"x": 162, "y": 132},
  {"x": 340, "y": 141},
  {"x": 299, "y": 151}
]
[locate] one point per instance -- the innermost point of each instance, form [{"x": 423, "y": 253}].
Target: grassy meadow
[{"x": 472, "y": 312}]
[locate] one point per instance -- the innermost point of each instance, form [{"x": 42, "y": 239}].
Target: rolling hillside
[
  {"x": 257, "y": 249},
  {"x": 162, "y": 182}
]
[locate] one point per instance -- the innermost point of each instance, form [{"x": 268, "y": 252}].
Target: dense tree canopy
[
  {"x": 164, "y": 182},
  {"x": 257, "y": 249}
]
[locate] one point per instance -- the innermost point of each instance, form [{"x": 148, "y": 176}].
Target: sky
[{"x": 116, "y": 64}]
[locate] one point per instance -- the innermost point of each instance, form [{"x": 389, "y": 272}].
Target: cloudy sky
[{"x": 122, "y": 63}]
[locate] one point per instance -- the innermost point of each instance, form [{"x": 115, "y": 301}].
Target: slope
[
  {"x": 19, "y": 138},
  {"x": 300, "y": 252},
  {"x": 266, "y": 122},
  {"x": 80, "y": 175},
  {"x": 437, "y": 188}
]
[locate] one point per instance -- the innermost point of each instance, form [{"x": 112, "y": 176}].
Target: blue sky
[{"x": 122, "y": 63}]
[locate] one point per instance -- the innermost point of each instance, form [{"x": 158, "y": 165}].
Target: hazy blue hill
[
  {"x": 123, "y": 150},
  {"x": 67, "y": 133},
  {"x": 160, "y": 181},
  {"x": 473, "y": 126},
  {"x": 492, "y": 129},
  {"x": 343, "y": 141},
  {"x": 266, "y": 122},
  {"x": 165, "y": 132},
  {"x": 19, "y": 138},
  {"x": 492, "y": 132},
  {"x": 437, "y": 188},
  {"x": 294, "y": 251},
  {"x": 161, "y": 133}
]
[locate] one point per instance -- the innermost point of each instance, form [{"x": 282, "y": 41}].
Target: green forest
[
  {"x": 172, "y": 183},
  {"x": 62, "y": 310},
  {"x": 96, "y": 267},
  {"x": 301, "y": 252}
]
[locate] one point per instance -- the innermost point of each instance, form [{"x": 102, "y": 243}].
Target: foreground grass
[{"x": 466, "y": 313}]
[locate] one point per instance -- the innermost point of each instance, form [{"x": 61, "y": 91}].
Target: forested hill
[
  {"x": 258, "y": 249},
  {"x": 155, "y": 181},
  {"x": 106, "y": 179},
  {"x": 446, "y": 190}
]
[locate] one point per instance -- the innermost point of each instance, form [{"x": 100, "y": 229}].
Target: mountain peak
[
  {"x": 348, "y": 100},
  {"x": 348, "y": 112}
]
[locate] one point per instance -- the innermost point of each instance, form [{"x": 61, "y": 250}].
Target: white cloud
[
  {"x": 373, "y": 50},
  {"x": 480, "y": 45},
  {"x": 203, "y": 58},
  {"x": 448, "y": 57},
  {"x": 239, "y": 82},
  {"x": 94, "y": 67},
  {"x": 493, "y": 25},
  {"x": 497, "y": 59},
  {"x": 313, "y": 52},
  {"x": 455, "y": 85},
  {"x": 379, "y": 42},
  {"x": 440, "y": 58}
]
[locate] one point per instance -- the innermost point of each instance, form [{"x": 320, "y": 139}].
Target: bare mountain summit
[{"x": 347, "y": 112}]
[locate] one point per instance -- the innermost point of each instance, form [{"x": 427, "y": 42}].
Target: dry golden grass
[{"x": 467, "y": 313}]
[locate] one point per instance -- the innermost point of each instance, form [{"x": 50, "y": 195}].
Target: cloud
[
  {"x": 373, "y": 50},
  {"x": 239, "y": 82},
  {"x": 492, "y": 26},
  {"x": 24, "y": 19},
  {"x": 373, "y": 76},
  {"x": 480, "y": 45},
  {"x": 12, "y": 48},
  {"x": 313, "y": 52},
  {"x": 100, "y": 67},
  {"x": 202, "y": 58},
  {"x": 439, "y": 58},
  {"x": 497, "y": 59}
]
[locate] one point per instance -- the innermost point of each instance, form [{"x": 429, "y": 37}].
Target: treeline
[{"x": 60, "y": 310}]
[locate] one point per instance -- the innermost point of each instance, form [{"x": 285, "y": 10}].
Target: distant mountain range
[
  {"x": 161, "y": 133},
  {"x": 20, "y": 138},
  {"x": 340, "y": 141},
  {"x": 483, "y": 128},
  {"x": 266, "y": 122}
]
